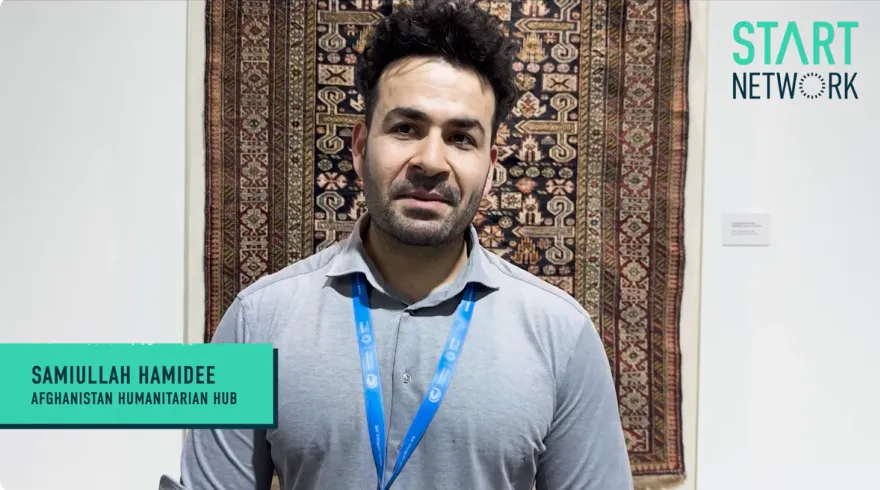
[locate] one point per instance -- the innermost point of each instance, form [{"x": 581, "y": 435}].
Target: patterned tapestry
[{"x": 588, "y": 196}]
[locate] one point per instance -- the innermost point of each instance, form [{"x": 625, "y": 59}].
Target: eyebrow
[{"x": 463, "y": 123}]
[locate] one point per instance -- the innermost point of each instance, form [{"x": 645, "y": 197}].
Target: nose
[{"x": 431, "y": 155}]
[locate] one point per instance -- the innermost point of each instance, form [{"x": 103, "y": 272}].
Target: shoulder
[
  {"x": 553, "y": 318},
  {"x": 300, "y": 278},
  {"x": 562, "y": 327},
  {"x": 538, "y": 294}
]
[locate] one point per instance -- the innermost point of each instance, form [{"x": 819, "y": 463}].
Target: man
[{"x": 487, "y": 378}]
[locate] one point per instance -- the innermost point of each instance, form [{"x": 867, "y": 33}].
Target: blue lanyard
[{"x": 373, "y": 382}]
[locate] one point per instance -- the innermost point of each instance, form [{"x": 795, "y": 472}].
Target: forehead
[{"x": 436, "y": 87}]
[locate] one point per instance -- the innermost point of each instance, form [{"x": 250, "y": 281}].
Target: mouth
[{"x": 425, "y": 196}]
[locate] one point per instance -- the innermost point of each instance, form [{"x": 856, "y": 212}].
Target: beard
[{"x": 418, "y": 227}]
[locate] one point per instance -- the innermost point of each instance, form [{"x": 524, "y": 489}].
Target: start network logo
[{"x": 763, "y": 46}]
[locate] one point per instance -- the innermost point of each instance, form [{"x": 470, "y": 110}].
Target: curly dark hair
[{"x": 460, "y": 32}]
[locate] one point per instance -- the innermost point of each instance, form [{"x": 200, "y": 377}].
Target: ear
[
  {"x": 359, "y": 146},
  {"x": 493, "y": 160}
]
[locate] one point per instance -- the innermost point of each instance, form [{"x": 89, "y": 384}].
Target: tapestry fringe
[{"x": 656, "y": 482}]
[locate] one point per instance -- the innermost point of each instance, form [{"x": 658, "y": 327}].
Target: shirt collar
[{"x": 353, "y": 258}]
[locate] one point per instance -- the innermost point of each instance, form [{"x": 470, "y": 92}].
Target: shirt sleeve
[
  {"x": 585, "y": 447},
  {"x": 225, "y": 459}
]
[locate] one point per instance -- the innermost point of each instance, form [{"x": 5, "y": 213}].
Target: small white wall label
[{"x": 746, "y": 230}]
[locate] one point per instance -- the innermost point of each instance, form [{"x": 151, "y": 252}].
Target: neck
[{"x": 414, "y": 271}]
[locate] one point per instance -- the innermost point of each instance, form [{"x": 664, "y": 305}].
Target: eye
[
  {"x": 403, "y": 129},
  {"x": 462, "y": 139}
]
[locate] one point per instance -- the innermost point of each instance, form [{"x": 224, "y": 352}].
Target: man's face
[{"x": 426, "y": 159}]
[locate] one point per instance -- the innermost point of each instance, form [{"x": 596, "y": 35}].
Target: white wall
[
  {"x": 92, "y": 181},
  {"x": 790, "y": 334}
]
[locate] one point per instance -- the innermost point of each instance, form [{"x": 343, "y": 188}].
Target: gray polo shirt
[{"x": 531, "y": 402}]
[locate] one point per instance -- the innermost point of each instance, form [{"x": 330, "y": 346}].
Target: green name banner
[{"x": 151, "y": 386}]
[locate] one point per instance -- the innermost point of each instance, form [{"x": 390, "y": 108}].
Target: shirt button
[
  {"x": 406, "y": 377},
  {"x": 400, "y": 446}
]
